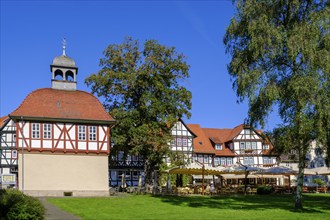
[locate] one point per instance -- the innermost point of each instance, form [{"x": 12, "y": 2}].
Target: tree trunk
[
  {"x": 147, "y": 172},
  {"x": 300, "y": 180}
]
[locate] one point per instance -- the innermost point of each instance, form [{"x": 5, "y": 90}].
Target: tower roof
[{"x": 64, "y": 61}]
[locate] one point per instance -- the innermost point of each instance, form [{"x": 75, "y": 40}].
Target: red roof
[
  {"x": 3, "y": 120},
  {"x": 202, "y": 143},
  {"x": 65, "y": 105},
  {"x": 220, "y": 136}
]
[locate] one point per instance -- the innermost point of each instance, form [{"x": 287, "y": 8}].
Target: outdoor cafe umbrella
[
  {"x": 279, "y": 170},
  {"x": 241, "y": 169},
  {"x": 318, "y": 171},
  {"x": 196, "y": 169}
]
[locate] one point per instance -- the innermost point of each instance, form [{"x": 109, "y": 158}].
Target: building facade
[
  {"x": 209, "y": 146},
  {"x": 62, "y": 138},
  {"x": 8, "y": 153}
]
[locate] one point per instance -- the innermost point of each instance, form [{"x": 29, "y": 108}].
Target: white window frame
[
  {"x": 47, "y": 131},
  {"x": 218, "y": 146},
  {"x": 206, "y": 159},
  {"x": 242, "y": 145},
  {"x": 254, "y": 145},
  {"x": 265, "y": 146},
  {"x": 92, "y": 133},
  {"x": 229, "y": 161},
  {"x": 179, "y": 142},
  {"x": 36, "y": 130},
  {"x": 248, "y": 146},
  {"x": 81, "y": 132},
  {"x": 216, "y": 161},
  {"x": 223, "y": 161},
  {"x": 184, "y": 142}
]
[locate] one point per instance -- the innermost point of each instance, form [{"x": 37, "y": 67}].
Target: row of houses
[
  {"x": 58, "y": 141},
  {"x": 209, "y": 146}
]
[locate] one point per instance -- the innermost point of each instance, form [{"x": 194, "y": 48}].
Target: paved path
[{"x": 55, "y": 213}]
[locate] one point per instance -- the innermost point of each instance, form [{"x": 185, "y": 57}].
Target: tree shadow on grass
[{"x": 312, "y": 203}]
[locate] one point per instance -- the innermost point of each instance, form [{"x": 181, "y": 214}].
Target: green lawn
[{"x": 265, "y": 207}]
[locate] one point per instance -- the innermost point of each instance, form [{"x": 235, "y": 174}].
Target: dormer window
[
  {"x": 218, "y": 146},
  {"x": 265, "y": 146}
]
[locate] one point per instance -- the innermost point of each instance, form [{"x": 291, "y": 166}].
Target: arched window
[
  {"x": 58, "y": 75},
  {"x": 69, "y": 76}
]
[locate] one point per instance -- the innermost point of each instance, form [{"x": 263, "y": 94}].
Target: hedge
[{"x": 15, "y": 205}]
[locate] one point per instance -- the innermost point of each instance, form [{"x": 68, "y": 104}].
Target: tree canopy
[
  {"x": 143, "y": 90},
  {"x": 281, "y": 58}
]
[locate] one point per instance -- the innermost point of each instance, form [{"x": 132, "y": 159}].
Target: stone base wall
[{"x": 60, "y": 193}]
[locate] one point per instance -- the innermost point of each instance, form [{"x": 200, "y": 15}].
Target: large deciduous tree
[
  {"x": 280, "y": 53},
  {"x": 143, "y": 89}
]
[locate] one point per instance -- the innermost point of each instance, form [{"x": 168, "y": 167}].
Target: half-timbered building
[
  {"x": 181, "y": 144},
  {"x": 62, "y": 137},
  {"x": 8, "y": 153},
  {"x": 131, "y": 167},
  {"x": 225, "y": 147}
]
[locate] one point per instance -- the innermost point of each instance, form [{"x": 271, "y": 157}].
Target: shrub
[
  {"x": 15, "y": 205},
  {"x": 264, "y": 190}
]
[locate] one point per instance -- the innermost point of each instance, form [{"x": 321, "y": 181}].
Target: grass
[{"x": 316, "y": 206}]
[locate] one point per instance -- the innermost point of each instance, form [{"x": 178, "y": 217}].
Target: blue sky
[{"x": 32, "y": 32}]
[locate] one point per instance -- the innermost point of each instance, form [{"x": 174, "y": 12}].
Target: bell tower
[{"x": 64, "y": 71}]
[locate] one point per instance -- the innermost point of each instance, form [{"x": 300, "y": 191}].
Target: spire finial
[{"x": 64, "y": 46}]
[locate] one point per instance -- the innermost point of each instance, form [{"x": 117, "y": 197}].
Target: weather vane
[{"x": 64, "y": 46}]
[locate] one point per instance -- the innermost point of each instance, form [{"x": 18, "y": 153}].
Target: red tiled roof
[
  {"x": 234, "y": 132},
  {"x": 202, "y": 143},
  {"x": 222, "y": 136},
  {"x": 62, "y": 104},
  {"x": 3, "y": 120}
]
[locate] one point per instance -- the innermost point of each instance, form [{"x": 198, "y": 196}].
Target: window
[
  {"x": 35, "y": 130},
  {"x": 47, "y": 131},
  {"x": 200, "y": 158},
  {"x": 254, "y": 145},
  {"x": 92, "y": 133},
  {"x": 251, "y": 162},
  {"x": 229, "y": 161},
  {"x": 248, "y": 160},
  {"x": 265, "y": 146},
  {"x": 179, "y": 141},
  {"x": 247, "y": 131},
  {"x": 206, "y": 159},
  {"x": 184, "y": 142},
  {"x": 223, "y": 161},
  {"x": 14, "y": 154},
  {"x": 81, "y": 132},
  {"x": 172, "y": 142},
  {"x": 218, "y": 147},
  {"x": 267, "y": 160},
  {"x": 195, "y": 157},
  {"x": 248, "y": 145},
  {"x": 216, "y": 161},
  {"x": 242, "y": 145}
]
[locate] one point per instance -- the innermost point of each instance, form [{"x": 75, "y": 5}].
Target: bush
[
  {"x": 264, "y": 190},
  {"x": 15, "y": 205}
]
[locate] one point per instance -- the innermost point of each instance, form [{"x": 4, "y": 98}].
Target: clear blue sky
[{"x": 32, "y": 32}]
